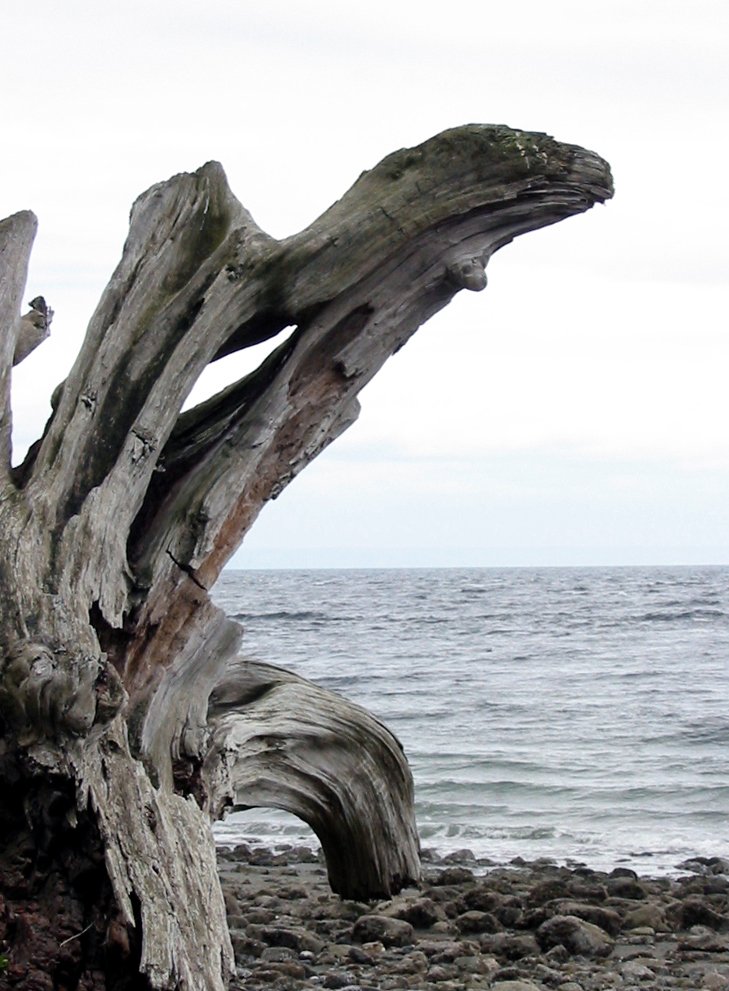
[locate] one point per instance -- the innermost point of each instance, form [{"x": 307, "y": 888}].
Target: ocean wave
[
  {"x": 291, "y": 616},
  {"x": 681, "y": 616}
]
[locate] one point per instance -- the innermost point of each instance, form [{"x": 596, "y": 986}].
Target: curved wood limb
[{"x": 279, "y": 741}]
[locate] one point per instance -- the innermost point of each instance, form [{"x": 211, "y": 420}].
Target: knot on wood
[
  {"x": 45, "y": 695},
  {"x": 33, "y": 329},
  {"x": 468, "y": 273}
]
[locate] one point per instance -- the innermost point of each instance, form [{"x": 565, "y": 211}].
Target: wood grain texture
[{"x": 279, "y": 741}]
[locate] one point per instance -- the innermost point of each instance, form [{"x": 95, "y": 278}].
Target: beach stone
[
  {"x": 437, "y": 974},
  {"x": 650, "y": 915},
  {"x": 605, "y": 918},
  {"x": 623, "y": 886},
  {"x": 705, "y": 940},
  {"x": 705, "y": 865},
  {"x": 277, "y": 954},
  {"x": 390, "y": 932},
  {"x": 448, "y": 950},
  {"x": 635, "y": 971},
  {"x": 268, "y": 975},
  {"x": 510, "y": 912},
  {"x": 714, "y": 981},
  {"x": 459, "y": 857},
  {"x": 293, "y": 938},
  {"x": 577, "y": 936},
  {"x": 360, "y": 956},
  {"x": 533, "y": 918},
  {"x": 246, "y": 948},
  {"x": 509, "y": 946},
  {"x": 586, "y": 890},
  {"x": 338, "y": 979},
  {"x": 623, "y": 872},
  {"x": 518, "y": 985},
  {"x": 412, "y": 963},
  {"x": 557, "y": 955},
  {"x": 332, "y": 930},
  {"x": 263, "y": 900},
  {"x": 231, "y": 903},
  {"x": 293, "y": 892},
  {"x": 696, "y": 911},
  {"x": 717, "y": 884},
  {"x": 375, "y": 948},
  {"x": 478, "y": 922},
  {"x": 422, "y": 913},
  {"x": 347, "y": 909},
  {"x": 452, "y": 875},
  {"x": 547, "y": 891},
  {"x": 467, "y": 965},
  {"x": 480, "y": 899},
  {"x": 260, "y": 916}
]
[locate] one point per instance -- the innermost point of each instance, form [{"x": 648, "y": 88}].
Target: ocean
[{"x": 579, "y": 714}]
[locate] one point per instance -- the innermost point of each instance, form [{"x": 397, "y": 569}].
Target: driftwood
[{"x": 127, "y": 719}]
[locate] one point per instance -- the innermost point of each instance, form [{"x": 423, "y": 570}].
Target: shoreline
[{"x": 519, "y": 927}]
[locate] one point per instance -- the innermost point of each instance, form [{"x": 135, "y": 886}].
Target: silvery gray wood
[{"x": 125, "y": 707}]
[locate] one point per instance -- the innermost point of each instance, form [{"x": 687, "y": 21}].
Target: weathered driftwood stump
[{"x": 127, "y": 718}]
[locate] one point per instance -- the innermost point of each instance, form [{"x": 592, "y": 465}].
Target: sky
[{"x": 574, "y": 413}]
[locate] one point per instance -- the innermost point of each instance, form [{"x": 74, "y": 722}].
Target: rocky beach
[{"x": 475, "y": 925}]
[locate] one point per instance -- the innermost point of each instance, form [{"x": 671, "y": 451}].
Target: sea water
[{"x": 580, "y": 714}]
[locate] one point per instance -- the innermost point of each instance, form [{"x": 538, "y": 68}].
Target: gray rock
[
  {"x": 422, "y": 913},
  {"x": 439, "y": 973},
  {"x": 446, "y": 950},
  {"x": 547, "y": 891},
  {"x": 650, "y": 915},
  {"x": 390, "y": 932},
  {"x": 705, "y": 940},
  {"x": 706, "y": 865},
  {"x": 480, "y": 899},
  {"x": 626, "y": 887},
  {"x": 415, "y": 962},
  {"x": 557, "y": 955},
  {"x": 338, "y": 979},
  {"x": 515, "y": 986},
  {"x": 510, "y": 946},
  {"x": 696, "y": 911},
  {"x": 294, "y": 939},
  {"x": 459, "y": 857},
  {"x": 246, "y": 948},
  {"x": 277, "y": 954},
  {"x": 598, "y": 915},
  {"x": 587, "y": 890},
  {"x": 634, "y": 970},
  {"x": 453, "y": 875},
  {"x": 714, "y": 981},
  {"x": 478, "y": 922},
  {"x": 510, "y": 912},
  {"x": 577, "y": 936},
  {"x": 623, "y": 872}
]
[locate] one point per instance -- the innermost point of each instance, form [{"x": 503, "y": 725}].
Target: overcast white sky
[{"x": 576, "y": 412}]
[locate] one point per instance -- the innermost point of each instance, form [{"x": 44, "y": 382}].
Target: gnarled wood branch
[
  {"x": 279, "y": 741},
  {"x": 118, "y": 675}
]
